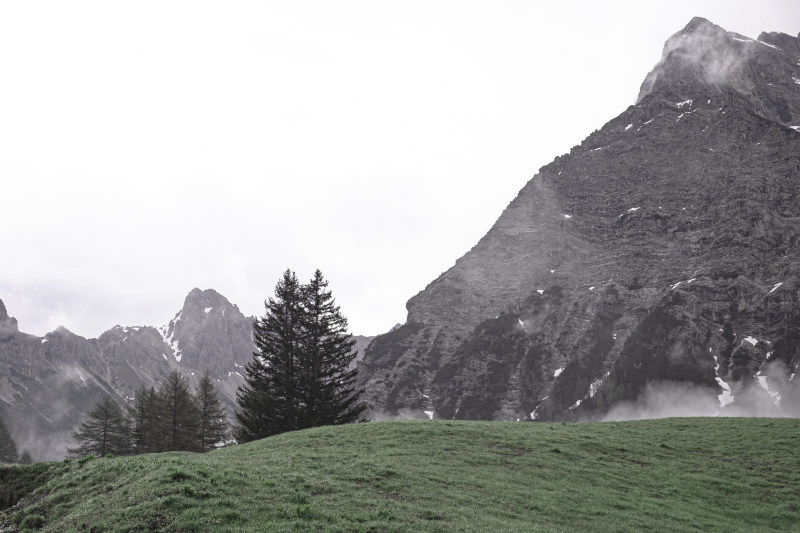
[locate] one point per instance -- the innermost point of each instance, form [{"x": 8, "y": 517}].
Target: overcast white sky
[{"x": 147, "y": 148}]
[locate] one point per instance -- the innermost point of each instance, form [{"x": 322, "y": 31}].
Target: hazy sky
[{"x": 147, "y": 148}]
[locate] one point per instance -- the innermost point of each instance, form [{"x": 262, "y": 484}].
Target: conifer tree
[
  {"x": 177, "y": 413},
  {"x": 268, "y": 401},
  {"x": 213, "y": 425},
  {"x": 106, "y": 430},
  {"x": 25, "y": 458},
  {"x": 144, "y": 419},
  {"x": 299, "y": 376},
  {"x": 329, "y": 387},
  {"x": 8, "y": 449}
]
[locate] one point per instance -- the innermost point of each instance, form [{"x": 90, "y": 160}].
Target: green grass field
[{"x": 662, "y": 475}]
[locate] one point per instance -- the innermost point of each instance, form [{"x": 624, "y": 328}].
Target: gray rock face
[
  {"x": 362, "y": 342},
  {"x": 47, "y": 384},
  {"x": 662, "y": 249}
]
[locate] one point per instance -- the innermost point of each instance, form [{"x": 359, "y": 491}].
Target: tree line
[{"x": 170, "y": 418}]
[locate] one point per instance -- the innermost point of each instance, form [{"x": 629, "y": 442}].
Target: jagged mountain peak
[
  {"x": 781, "y": 40},
  {"x": 200, "y": 303},
  {"x": 61, "y": 330},
  {"x": 7, "y": 324},
  {"x": 704, "y": 60}
]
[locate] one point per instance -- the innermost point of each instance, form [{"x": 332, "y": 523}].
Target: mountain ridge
[{"x": 49, "y": 383}]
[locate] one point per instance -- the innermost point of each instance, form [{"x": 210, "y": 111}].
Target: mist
[{"x": 772, "y": 393}]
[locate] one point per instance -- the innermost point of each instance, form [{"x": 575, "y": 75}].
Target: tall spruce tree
[
  {"x": 177, "y": 413},
  {"x": 268, "y": 401},
  {"x": 213, "y": 425},
  {"x": 8, "y": 448},
  {"x": 106, "y": 430},
  {"x": 327, "y": 351},
  {"x": 299, "y": 376}
]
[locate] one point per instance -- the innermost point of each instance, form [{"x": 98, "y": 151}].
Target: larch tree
[
  {"x": 213, "y": 425},
  {"x": 177, "y": 414},
  {"x": 105, "y": 431},
  {"x": 144, "y": 420}
]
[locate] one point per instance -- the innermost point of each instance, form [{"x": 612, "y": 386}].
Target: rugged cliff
[{"x": 663, "y": 249}]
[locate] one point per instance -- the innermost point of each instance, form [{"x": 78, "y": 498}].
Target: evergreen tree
[
  {"x": 8, "y": 449},
  {"x": 144, "y": 418},
  {"x": 213, "y": 426},
  {"x": 299, "y": 376},
  {"x": 106, "y": 430},
  {"x": 268, "y": 401},
  {"x": 329, "y": 387},
  {"x": 25, "y": 458},
  {"x": 177, "y": 413}
]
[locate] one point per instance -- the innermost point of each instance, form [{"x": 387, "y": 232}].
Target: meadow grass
[{"x": 662, "y": 475}]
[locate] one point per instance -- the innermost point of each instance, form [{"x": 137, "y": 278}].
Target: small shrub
[{"x": 33, "y": 521}]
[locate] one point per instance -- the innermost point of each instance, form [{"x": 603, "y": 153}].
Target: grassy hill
[{"x": 663, "y": 475}]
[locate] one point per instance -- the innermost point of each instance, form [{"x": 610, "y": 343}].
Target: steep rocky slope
[{"x": 662, "y": 249}]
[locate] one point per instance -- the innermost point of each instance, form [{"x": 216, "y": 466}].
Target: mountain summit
[
  {"x": 656, "y": 261},
  {"x": 706, "y": 58}
]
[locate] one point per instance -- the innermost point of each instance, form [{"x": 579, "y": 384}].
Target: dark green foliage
[
  {"x": 299, "y": 375},
  {"x": 144, "y": 419},
  {"x": 8, "y": 449},
  {"x": 173, "y": 419},
  {"x": 25, "y": 458},
  {"x": 327, "y": 386},
  {"x": 178, "y": 416},
  {"x": 212, "y": 426},
  {"x": 268, "y": 402},
  {"x": 106, "y": 430}
]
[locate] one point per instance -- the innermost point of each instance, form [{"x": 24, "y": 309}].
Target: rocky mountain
[
  {"x": 652, "y": 269},
  {"x": 47, "y": 384}
]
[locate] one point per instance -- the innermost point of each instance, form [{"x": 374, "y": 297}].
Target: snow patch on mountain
[{"x": 725, "y": 397}]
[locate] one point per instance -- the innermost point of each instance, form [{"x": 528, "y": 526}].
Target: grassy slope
[{"x": 666, "y": 475}]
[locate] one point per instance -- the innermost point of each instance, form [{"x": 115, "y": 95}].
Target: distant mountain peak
[
  {"x": 205, "y": 301},
  {"x": 3, "y": 312},
  {"x": 62, "y": 331}
]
